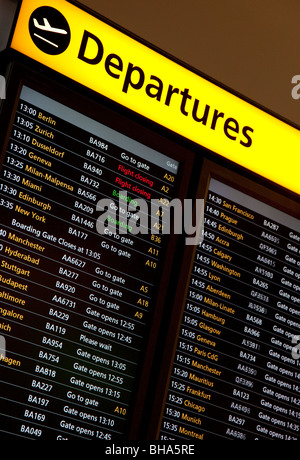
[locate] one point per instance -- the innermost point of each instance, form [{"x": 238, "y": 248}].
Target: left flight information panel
[{"x": 75, "y": 305}]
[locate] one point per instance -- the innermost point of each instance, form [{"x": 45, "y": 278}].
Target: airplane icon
[{"x": 47, "y": 27}]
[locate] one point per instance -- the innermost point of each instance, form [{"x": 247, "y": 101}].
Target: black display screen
[
  {"x": 75, "y": 306},
  {"x": 236, "y": 372},
  {"x": 112, "y": 328}
]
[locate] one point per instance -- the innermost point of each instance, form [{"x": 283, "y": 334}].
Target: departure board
[
  {"x": 149, "y": 245},
  {"x": 75, "y": 305},
  {"x": 236, "y": 372}
]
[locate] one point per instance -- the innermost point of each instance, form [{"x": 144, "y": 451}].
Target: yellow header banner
[{"x": 80, "y": 46}]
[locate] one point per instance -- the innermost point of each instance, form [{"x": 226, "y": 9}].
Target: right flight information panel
[{"x": 236, "y": 372}]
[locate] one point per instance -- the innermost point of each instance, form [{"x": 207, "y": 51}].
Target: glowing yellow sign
[{"x": 82, "y": 47}]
